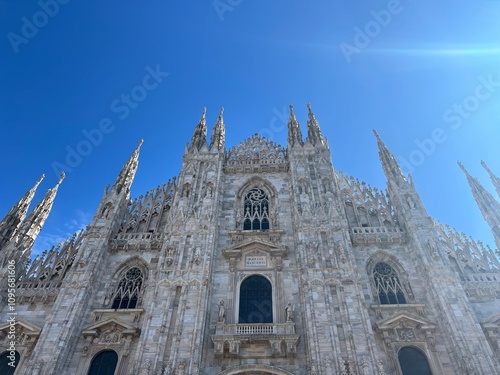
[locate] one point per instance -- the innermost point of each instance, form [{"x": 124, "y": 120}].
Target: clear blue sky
[{"x": 421, "y": 68}]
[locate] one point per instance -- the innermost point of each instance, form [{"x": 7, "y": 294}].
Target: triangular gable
[
  {"x": 258, "y": 244},
  {"x": 125, "y": 327},
  {"x": 405, "y": 318},
  {"x": 252, "y": 243},
  {"x": 28, "y": 328}
]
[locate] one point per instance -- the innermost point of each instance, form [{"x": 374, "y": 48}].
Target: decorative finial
[
  {"x": 141, "y": 141},
  {"x": 462, "y": 167},
  {"x": 309, "y": 107},
  {"x": 61, "y": 177},
  {"x": 204, "y": 112},
  {"x": 376, "y": 134},
  {"x": 486, "y": 167},
  {"x": 221, "y": 111}
]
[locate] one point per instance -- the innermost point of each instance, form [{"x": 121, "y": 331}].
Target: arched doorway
[
  {"x": 5, "y": 359},
  {"x": 413, "y": 362},
  {"x": 104, "y": 363},
  {"x": 256, "y": 304}
]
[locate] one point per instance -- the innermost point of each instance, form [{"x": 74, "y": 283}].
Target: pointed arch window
[
  {"x": 256, "y": 304},
  {"x": 256, "y": 210},
  {"x": 129, "y": 290},
  {"x": 413, "y": 362},
  {"x": 387, "y": 284},
  {"x": 104, "y": 363}
]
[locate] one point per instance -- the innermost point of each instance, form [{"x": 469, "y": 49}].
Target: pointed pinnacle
[
  {"x": 310, "y": 112},
  {"x": 487, "y": 169},
  {"x": 292, "y": 114},
  {"x": 203, "y": 120},
  {"x": 39, "y": 180},
  {"x": 61, "y": 178},
  {"x": 463, "y": 168},
  {"x": 221, "y": 111}
]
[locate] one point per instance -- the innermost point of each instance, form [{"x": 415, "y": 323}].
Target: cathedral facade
[{"x": 258, "y": 259}]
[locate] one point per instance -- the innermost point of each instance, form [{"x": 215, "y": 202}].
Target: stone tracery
[{"x": 258, "y": 154}]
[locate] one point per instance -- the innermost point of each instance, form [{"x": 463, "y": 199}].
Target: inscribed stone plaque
[{"x": 256, "y": 261}]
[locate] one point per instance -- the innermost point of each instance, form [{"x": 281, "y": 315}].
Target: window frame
[
  {"x": 257, "y": 215},
  {"x": 246, "y": 279},
  {"x": 123, "y": 290},
  {"x": 392, "y": 288},
  {"x": 101, "y": 352},
  {"x": 419, "y": 350}
]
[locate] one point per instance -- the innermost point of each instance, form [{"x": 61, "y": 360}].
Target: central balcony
[
  {"x": 255, "y": 329},
  {"x": 274, "y": 339}
]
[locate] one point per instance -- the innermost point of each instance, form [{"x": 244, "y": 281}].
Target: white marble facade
[{"x": 350, "y": 279}]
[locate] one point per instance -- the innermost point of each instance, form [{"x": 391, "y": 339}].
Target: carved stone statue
[
  {"x": 209, "y": 192},
  {"x": 222, "y": 312},
  {"x": 289, "y": 312},
  {"x": 411, "y": 202},
  {"x": 106, "y": 211}
]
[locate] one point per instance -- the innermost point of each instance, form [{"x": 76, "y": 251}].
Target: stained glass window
[
  {"x": 256, "y": 210},
  {"x": 388, "y": 285},
  {"x": 128, "y": 291}
]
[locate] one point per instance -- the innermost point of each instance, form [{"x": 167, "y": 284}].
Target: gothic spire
[
  {"x": 12, "y": 221},
  {"x": 33, "y": 224},
  {"x": 126, "y": 176},
  {"x": 313, "y": 130},
  {"x": 489, "y": 207},
  {"x": 494, "y": 179},
  {"x": 218, "y": 133},
  {"x": 391, "y": 167},
  {"x": 200, "y": 132},
  {"x": 294, "y": 133}
]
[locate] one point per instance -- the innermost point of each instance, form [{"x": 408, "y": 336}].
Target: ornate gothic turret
[
  {"x": 218, "y": 133},
  {"x": 314, "y": 134},
  {"x": 294, "y": 133},
  {"x": 116, "y": 199},
  {"x": 199, "y": 138},
  {"x": 11, "y": 223},
  {"x": 494, "y": 178},
  {"x": 33, "y": 224},
  {"x": 127, "y": 174},
  {"x": 401, "y": 191},
  {"x": 489, "y": 207},
  {"x": 391, "y": 167}
]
